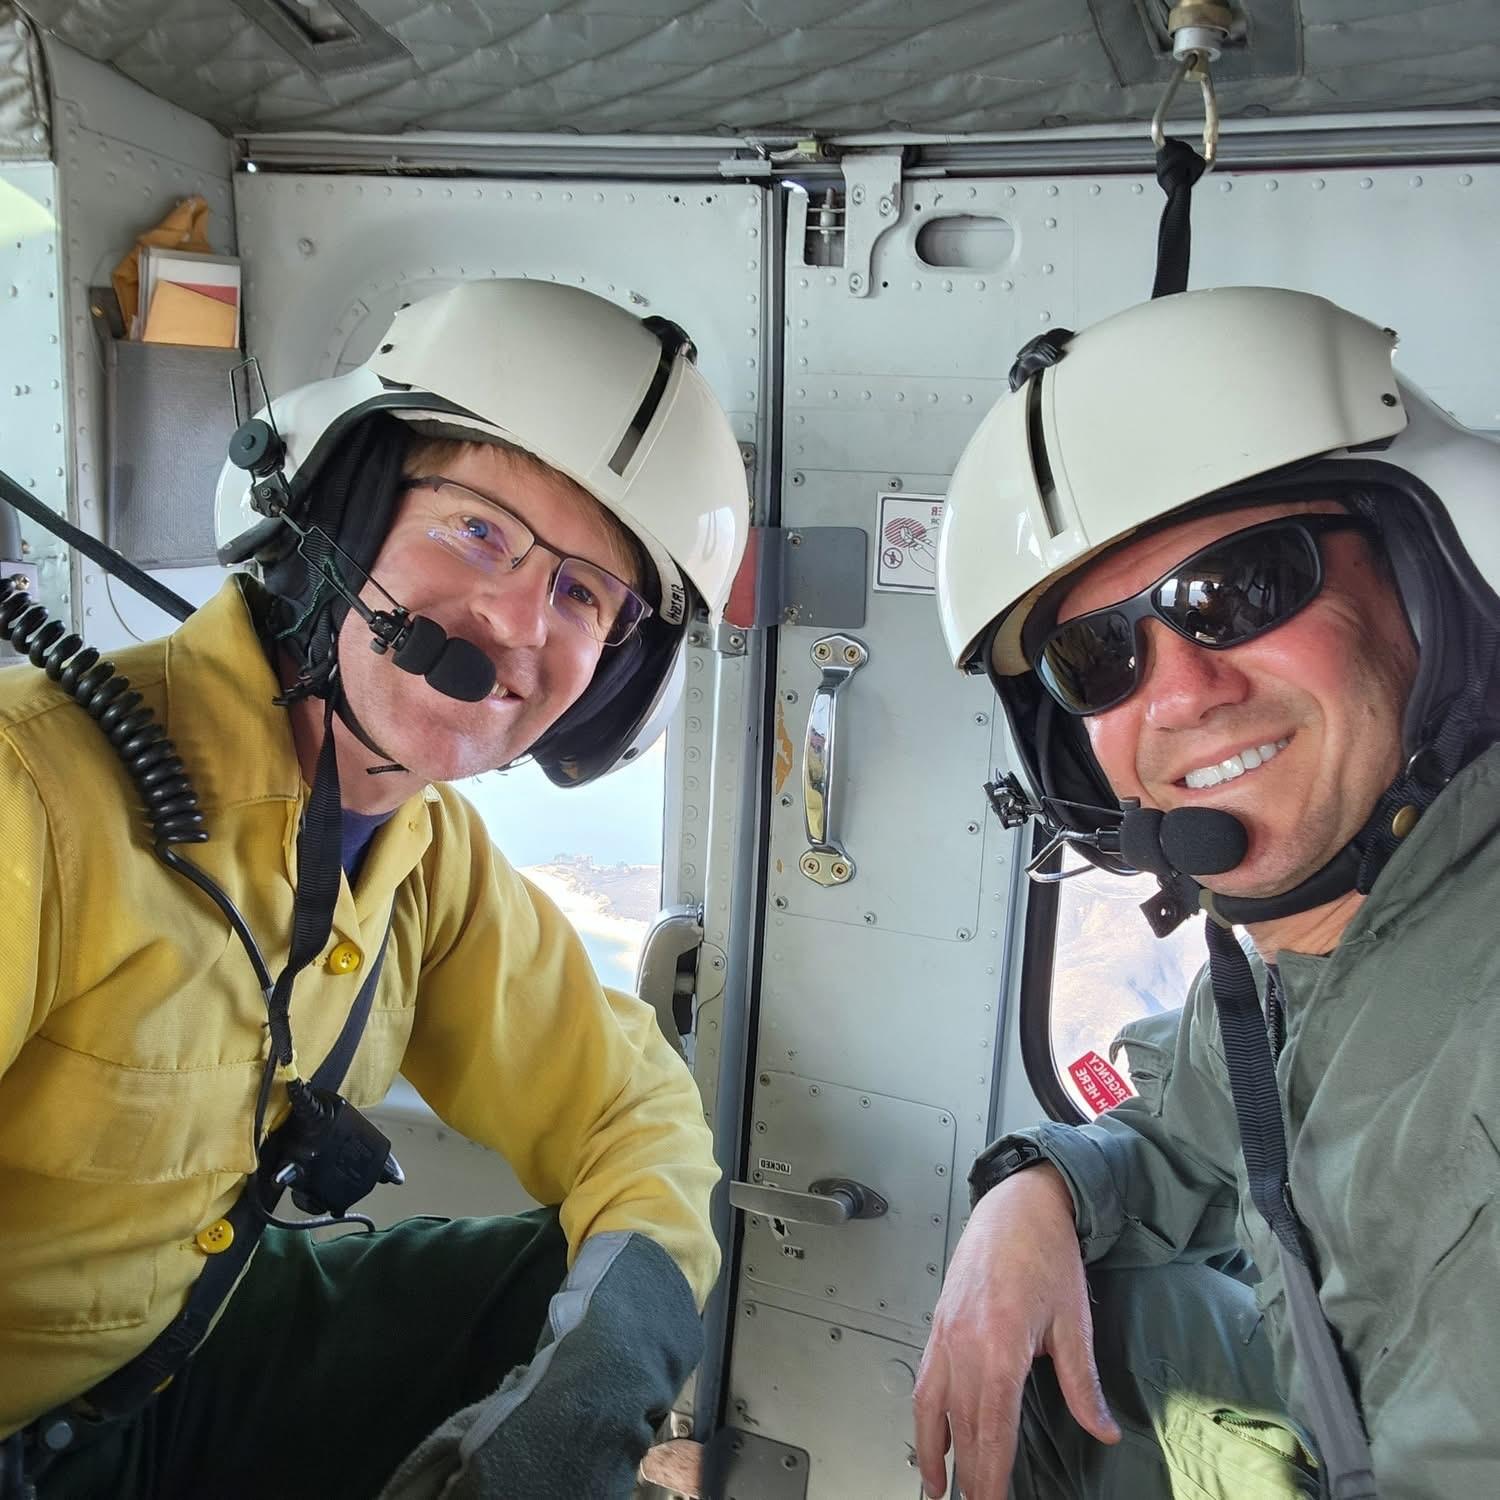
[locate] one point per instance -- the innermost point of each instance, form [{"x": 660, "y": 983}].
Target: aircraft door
[{"x": 884, "y": 1051}]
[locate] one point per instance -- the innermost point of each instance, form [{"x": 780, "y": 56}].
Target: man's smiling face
[
  {"x": 543, "y": 662},
  {"x": 1324, "y": 691}
]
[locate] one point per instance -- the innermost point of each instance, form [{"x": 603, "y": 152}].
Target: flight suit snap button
[
  {"x": 344, "y": 959},
  {"x": 1404, "y": 821},
  {"x": 216, "y": 1238}
]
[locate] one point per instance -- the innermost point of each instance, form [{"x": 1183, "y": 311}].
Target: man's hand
[{"x": 1015, "y": 1289}]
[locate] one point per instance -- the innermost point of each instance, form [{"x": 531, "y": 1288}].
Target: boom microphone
[
  {"x": 1203, "y": 840},
  {"x": 1189, "y": 840},
  {"x": 453, "y": 666}
]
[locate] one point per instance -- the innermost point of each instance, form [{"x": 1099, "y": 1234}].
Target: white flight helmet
[
  {"x": 1232, "y": 396},
  {"x": 614, "y": 402}
]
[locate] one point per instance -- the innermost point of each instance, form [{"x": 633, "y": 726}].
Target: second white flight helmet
[
  {"x": 1215, "y": 398},
  {"x": 614, "y": 402}
]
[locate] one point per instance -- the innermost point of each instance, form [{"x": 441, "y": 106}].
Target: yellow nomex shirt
[{"x": 132, "y": 1031}]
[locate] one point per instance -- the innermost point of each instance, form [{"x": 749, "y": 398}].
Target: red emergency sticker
[{"x": 1101, "y": 1086}]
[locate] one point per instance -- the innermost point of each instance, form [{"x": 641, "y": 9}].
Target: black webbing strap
[
  {"x": 1178, "y": 167},
  {"x": 95, "y": 550},
  {"x": 318, "y": 872},
  {"x": 1337, "y": 1427},
  {"x": 131, "y": 1386}
]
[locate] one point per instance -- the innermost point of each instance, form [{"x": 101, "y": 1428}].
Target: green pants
[
  {"x": 1186, "y": 1369},
  {"x": 332, "y": 1361}
]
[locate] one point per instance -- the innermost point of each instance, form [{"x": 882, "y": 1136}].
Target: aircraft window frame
[
  {"x": 1164, "y": 984},
  {"x": 1038, "y": 955}
]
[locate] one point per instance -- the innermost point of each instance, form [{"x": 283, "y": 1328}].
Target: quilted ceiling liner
[{"x": 761, "y": 68}]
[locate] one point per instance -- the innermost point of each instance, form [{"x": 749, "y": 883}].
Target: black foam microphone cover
[
  {"x": 462, "y": 671},
  {"x": 1140, "y": 839},
  {"x": 1203, "y": 840}
]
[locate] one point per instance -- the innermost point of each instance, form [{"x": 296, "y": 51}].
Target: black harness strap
[
  {"x": 317, "y": 890},
  {"x": 1178, "y": 167},
  {"x": 131, "y": 1386},
  {"x": 1342, "y": 1445}
]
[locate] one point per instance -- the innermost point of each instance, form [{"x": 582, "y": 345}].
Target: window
[
  {"x": 596, "y": 850},
  {"x": 1108, "y": 968}
]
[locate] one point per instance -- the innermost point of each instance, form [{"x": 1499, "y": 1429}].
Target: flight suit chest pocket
[{"x": 69, "y": 1115}]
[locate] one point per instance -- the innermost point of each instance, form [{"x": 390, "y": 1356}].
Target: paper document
[
  {"x": 211, "y": 278},
  {"x": 182, "y": 315}
]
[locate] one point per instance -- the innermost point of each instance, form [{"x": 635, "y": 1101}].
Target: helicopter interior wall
[
  {"x": 886, "y": 1044},
  {"x": 124, "y": 158}
]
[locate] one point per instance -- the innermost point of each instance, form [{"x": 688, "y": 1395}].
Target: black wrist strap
[{"x": 996, "y": 1162}]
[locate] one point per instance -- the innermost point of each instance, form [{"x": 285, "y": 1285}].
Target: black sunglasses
[{"x": 1229, "y": 592}]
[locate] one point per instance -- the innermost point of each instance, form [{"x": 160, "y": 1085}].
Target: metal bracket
[
  {"x": 728, "y": 640},
  {"x": 744, "y": 1466},
  {"x": 810, "y": 575},
  {"x": 872, "y": 183}
]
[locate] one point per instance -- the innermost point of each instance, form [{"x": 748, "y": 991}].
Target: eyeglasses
[
  {"x": 1229, "y": 592},
  {"x": 488, "y": 537}
]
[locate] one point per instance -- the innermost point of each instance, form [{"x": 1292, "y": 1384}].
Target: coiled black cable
[{"x": 130, "y": 726}]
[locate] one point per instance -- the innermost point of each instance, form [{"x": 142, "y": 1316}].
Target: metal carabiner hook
[{"x": 1193, "y": 65}]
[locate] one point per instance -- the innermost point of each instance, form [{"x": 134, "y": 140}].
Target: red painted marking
[
  {"x": 903, "y": 531},
  {"x": 740, "y": 610},
  {"x": 1100, "y": 1084}
]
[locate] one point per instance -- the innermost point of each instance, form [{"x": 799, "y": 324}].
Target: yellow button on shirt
[
  {"x": 216, "y": 1238},
  {"x": 344, "y": 959}
]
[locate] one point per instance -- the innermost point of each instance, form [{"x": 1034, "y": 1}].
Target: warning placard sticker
[
  {"x": 1101, "y": 1085},
  {"x": 906, "y": 543}
]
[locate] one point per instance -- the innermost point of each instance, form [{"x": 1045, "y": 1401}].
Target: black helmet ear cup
[
  {"x": 256, "y": 447},
  {"x": 591, "y": 736},
  {"x": 352, "y": 499}
]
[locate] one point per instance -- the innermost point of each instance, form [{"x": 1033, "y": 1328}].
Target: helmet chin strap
[{"x": 1188, "y": 842}]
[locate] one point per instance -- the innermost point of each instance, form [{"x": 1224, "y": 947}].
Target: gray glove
[{"x": 622, "y": 1336}]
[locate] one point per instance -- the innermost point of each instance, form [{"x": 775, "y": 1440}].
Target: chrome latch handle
[
  {"x": 830, "y": 1201},
  {"x": 827, "y": 861}
]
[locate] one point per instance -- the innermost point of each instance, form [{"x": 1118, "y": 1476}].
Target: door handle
[
  {"x": 829, "y": 1201},
  {"x": 667, "y": 972},
  {"x": 827, "y": 861}
]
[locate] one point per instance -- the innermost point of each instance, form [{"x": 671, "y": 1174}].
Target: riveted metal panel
[
  {"x": 884, "y": 790},
  {"x": 124, "y": 159},
  {"x": 33, "y": 403},
  {"x": 328, "y": 260},
  {"x": 805, "y": 1132},
  {"x": 842, "y": 1395}
]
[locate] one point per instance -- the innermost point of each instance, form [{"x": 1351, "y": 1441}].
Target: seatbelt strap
[
  {"x": 1337, "y": 1427},
  {"x": 132, "y": 1385}
]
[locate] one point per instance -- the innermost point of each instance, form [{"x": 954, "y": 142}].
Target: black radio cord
[{"x": 171, "y": 804}]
